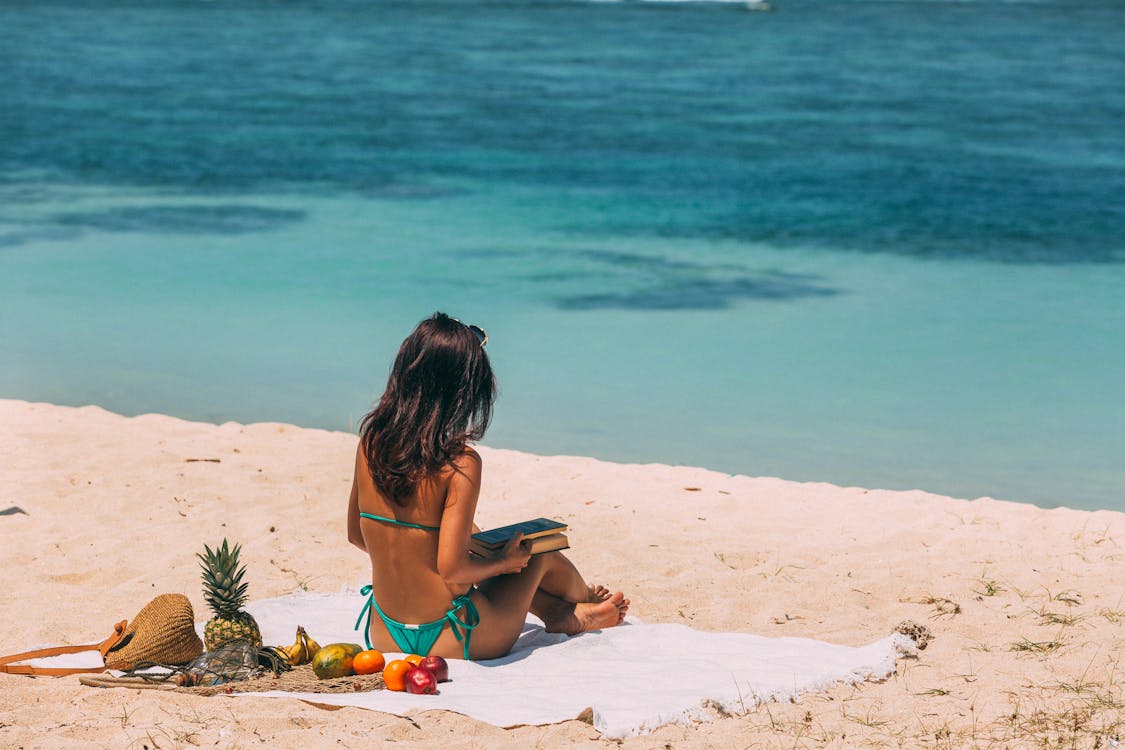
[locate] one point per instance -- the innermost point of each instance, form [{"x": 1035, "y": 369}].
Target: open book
[{"x": 542, "y": 535}]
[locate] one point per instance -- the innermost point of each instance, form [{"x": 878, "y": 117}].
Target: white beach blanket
[{"x": 635, "y": 677}]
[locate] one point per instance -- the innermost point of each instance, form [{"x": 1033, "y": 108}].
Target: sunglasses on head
[{"x": 477, "y": 331}]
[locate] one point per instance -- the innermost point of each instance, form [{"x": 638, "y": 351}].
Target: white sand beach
[{"x": 1026, "y": 606}]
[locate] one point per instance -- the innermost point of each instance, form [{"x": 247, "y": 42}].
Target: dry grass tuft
[
  {"x": 1068, "y": 597},
  {"x": 1113, "y": 615},
  {"x": 989, "y": 588},
  {"x": 934, "y": 691},
  {"x": 943, "y": 607},
  {"x": 1056, "y": 618},
  {"x": 1075, "y": 724},
  {"x": 1038, "y": 647}
]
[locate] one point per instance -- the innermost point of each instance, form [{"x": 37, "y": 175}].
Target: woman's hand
[{"x": 515, "y": 555}]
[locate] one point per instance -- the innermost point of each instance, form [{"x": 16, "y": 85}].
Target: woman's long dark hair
[{"x": 439, "y": 398}]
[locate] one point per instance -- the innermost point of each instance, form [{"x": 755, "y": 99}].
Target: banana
[
  {"x": 311, "y": 646},
  {"x": 303, "y": 649},
  {"x": 294, "y": 654},
  {"x": 297, "y": 653}
]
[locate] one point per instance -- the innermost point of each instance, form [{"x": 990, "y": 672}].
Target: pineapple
[{"x": 225, "y": 594}]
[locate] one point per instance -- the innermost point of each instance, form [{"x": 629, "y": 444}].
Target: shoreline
[
  {"x": 1026, "y": 604},
  {"x": 1064, "y": 505}
]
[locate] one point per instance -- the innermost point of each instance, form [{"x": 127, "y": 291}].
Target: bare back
[{"x": 404, "y": 568}]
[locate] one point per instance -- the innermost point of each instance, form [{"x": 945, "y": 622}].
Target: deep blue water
[{"x": 865, "y": 242}]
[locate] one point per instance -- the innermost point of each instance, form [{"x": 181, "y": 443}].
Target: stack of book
[{"x": 541, "y": 534}]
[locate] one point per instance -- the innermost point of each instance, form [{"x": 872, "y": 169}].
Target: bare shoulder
[
  {"x": 463, "y": 475},
  {"x": 467, "y": 456},
  {"x": 468, "y": 464}
]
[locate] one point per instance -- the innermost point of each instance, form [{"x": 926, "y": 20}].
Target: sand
[{"x": 1027, "y": 606}]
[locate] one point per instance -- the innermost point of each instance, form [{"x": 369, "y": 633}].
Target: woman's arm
[
  {"x": 455, "y": 565},
  {"x": 355, "y": 536}
]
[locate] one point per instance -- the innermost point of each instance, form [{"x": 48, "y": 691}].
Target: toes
[{"x": 598, "y": 593}]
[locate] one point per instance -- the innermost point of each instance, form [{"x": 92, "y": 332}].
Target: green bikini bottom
[{"x": 419, "y": 639}]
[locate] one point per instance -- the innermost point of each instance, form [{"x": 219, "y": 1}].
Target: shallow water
[{"x": 873, "y": 243}]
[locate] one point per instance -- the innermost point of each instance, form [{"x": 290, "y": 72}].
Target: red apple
[
  {"x": 438, "y": 666},
  {"x": 421, "y": 681}
]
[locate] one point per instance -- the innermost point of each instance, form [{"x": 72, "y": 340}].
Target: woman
[{"x": 413, "y": 499}]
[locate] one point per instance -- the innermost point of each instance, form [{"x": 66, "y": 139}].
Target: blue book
[{"x": 485, "y": 542}]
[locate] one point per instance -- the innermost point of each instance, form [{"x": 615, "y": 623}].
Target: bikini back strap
[{"x": 396, "y": 522}]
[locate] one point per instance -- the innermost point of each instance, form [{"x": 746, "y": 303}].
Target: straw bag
[{"x": 162, "y": 632}]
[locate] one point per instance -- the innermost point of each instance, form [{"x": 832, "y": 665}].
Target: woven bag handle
[{"x": 102, "y": 648}]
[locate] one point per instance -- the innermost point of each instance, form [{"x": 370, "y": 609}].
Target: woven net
[{"x": 300, "y": 679}]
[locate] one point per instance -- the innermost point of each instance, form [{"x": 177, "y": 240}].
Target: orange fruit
[
  {"x": 368, "y": 662},
  {"x": 394, "y": 674},
  {"x": 413, "y": 659}
]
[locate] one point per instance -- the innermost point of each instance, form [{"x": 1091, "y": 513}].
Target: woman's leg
[
  {"x": 561, "y": 588},
  {"x": 508, "y": 599},
  {"x": 562, "y": 580}
]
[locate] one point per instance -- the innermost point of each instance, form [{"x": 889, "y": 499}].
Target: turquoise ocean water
[{"x": 873, "y": 243}]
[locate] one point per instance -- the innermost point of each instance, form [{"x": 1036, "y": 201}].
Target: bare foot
[
  {"x": 598, "y": 592},
  {"x": 587, "y": 616}
]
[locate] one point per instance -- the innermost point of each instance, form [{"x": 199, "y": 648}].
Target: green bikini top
[{"x": 396, "y": 522}]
